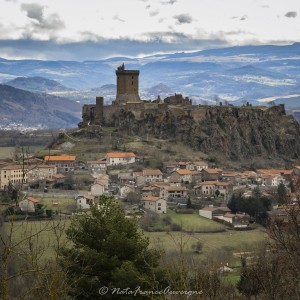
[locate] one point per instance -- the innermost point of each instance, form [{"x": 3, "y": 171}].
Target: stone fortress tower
[{"x": 127, "y": 85}]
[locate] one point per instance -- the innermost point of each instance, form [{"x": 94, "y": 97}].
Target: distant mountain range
[
  {"x": 255, "y": 74},
  {"x": 37, "y": 84},
  {"x": 36, "y": 110}
]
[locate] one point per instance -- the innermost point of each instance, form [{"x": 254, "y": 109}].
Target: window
[
  {"x": 158, "y": 208},
  {"x": 159, "y": 204}
]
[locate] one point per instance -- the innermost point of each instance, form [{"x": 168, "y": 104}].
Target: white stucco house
[
  {"x": 120, "y": 158},
  {"x": 84, "y": 202}
]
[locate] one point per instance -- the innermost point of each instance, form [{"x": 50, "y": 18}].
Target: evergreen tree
[
  {"x": 281, "y": 194},
  {"x": 108, "y": 250}
]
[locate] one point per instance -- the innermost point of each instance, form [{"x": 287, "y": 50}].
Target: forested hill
[{"x": 32, "y": 109}]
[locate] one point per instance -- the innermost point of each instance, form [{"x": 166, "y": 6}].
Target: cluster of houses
[{"x": 155, "y": 189}]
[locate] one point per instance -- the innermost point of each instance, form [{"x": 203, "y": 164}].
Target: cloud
[
  {"x": 244, "y": 17},
  {"x": 183, "y": 19},
  {"x": 40, "y": 22},
  {"x": 171, "y": 2},
  {"x": 117, "y": 18},
  {"x": 291, "y": 14},
  {"x": 154, "y": 13},
  {"x": 33, "y": 11},
  {"x": 148, "y": 6}
]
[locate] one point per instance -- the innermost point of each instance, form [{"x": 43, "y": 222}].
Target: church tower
[{"x": 127, "y": 85}]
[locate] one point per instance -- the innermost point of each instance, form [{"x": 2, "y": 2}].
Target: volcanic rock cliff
[{"x": 234, "y": 132}]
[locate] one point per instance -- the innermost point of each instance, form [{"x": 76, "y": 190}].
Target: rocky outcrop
[{"x": 235, "y": 132}]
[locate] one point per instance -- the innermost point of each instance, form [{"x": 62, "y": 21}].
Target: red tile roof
[
  {"x": 150, "y": 198},
  {"x": 31, "y": 199},
  {"x": 152, "y": 172},
  {"x": 120, "y": 154},
  {"x": 184, "y": 172},
  {"x": 59, "y": 158},
  {"x": 212, "y": 171}
]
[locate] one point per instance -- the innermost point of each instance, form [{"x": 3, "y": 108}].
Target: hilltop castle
[
  {"x": 127, "y": 99},
  {"x": 231, "y": 131}
]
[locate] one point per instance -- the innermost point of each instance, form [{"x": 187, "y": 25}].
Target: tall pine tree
[{"x": 108, "y": 250}]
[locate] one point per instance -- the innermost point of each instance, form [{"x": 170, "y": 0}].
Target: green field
[
  {"x": 194, "y": 222},
  {"x": 44, "y": 235},
  {"x": 62, "y": 205},
  {"x": 7, "y": 152},
  {"x": 214, "y": 244}
]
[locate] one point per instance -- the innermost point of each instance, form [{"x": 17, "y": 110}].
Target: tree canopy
[{"x": 108, "y": 250}]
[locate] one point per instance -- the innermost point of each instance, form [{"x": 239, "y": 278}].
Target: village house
[
  {"x": 211, "y": 174},
  {"x": 124, "y": 178},
  {"x": 169, "y": 167},
  {"x": 63, "y": 163},
  {"x": 155, "y": 204},
  {"x": 270, "y": 180},
  {"x": 97, "y": 166},
  {"x": 185, "y": 165},
  {"x": 273, "y": 177},
  {"x": 200, "y": 165},
  {"x": 138, "y": 178},
  {"x": 175, "y": 181},
  {"x": 176, "y": 193},
  {"x": 237, "y": 220},
  {"x": 248, "y": 177},
  {"x": 103, "y": 179},
  {"x": 153, "y": 175},
  {"x": 211, "y": 212},
  {"x": 29, "y": 204},
  {"x": 209, "y": 188},
  {"x": 127, "y": 188},
  {"x": 185, "y": 176},
  {"x": 162, "y": 188},
  {"x": 150, "y": 191},
  {"x": 97, "y": 189},
  {"x": 84, "y": 202},
  {"x": 232, "y": 177},
  {"x": 41, "y": 172},
  {"x": 120, "y": 158},
  {"x": 16, "y": 174}
]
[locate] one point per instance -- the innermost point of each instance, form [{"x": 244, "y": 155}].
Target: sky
[{"x": 97, "y": 29}]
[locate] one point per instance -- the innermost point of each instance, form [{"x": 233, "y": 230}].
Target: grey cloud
[
  {"x": 171, "y": 2},
  {"x": 33, "y": 11},
  {"x": 148, "y": 6},
  {"x": 41, "y": 23},
  {"x": 118, "y": 19},
  {"x": 183, "y": 19},
  {"x": 244, "y": 17},
  {"x": 291, "y": 14},
  {"x": 153, "y": 13}
]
